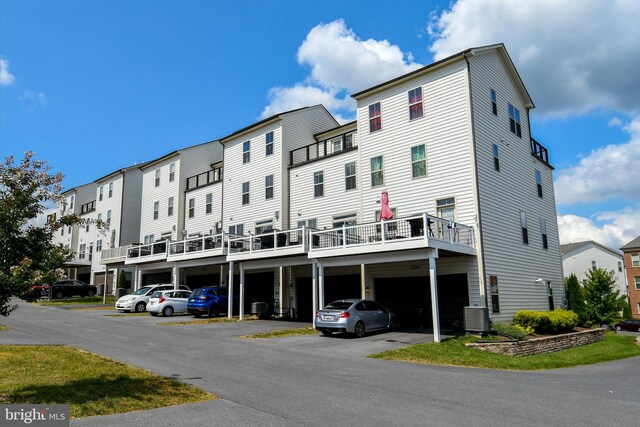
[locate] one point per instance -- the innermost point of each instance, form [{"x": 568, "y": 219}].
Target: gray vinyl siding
[
  {"x": 335, "y": 201},
  {"x": 131, "y": 205},
  {"x": 444, "y": 130},
  {"x": 503, "y": 194}
]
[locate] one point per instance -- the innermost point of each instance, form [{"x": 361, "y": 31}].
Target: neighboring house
[
  {"x": 295, "y": 217},
  {"x": 632, "y": 268},
  {"x": 78, "y": 201},
  {"x": 580, "y": 257}
]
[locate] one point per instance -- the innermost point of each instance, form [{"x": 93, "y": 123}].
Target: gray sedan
[{"x": 356, "y": 316}]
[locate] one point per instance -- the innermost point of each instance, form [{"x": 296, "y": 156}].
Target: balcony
[
  {"x": 138, "y": 253},
  {"x": 199, "y": 247},
  {"x": 205, "y": 178},
  {"x": 318, "y": 150},
  {"x": 271, "y": 244},
  {"x": 114, "y": 255},
  {"x": 88, "y": 207},
  {"x": 540, "y": 152},
  {"x": 393, "y": 235},
  {"x": 80, "y": 259}
]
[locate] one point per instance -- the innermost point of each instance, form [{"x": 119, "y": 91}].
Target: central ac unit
[{"x": 476, "y": 319}]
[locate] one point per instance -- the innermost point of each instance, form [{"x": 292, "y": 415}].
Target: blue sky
[{"x": 93, "y": 86}]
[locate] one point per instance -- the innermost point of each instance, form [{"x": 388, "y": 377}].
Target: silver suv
[{"x": 138, "y": 300}]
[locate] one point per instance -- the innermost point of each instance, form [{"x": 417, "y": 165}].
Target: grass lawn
[
  {"x": 208, "y": 320},
  {"x": 90, "y": 384},
  {"x": 3, "y": 328},
  {"x": 453, "y": 352},
  {"x": 77, "y": 300},
  {"x": 307, "y": 330}
]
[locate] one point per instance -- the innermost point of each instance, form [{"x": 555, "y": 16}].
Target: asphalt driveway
[{"x": 316, "y": 380}]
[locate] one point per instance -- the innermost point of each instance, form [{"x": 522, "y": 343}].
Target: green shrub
[
  {"x": 547, "y": 321},
  {"x": 512, "y": 331}
]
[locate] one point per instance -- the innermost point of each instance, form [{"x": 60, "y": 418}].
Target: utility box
[{"x": 476, "y": 319}]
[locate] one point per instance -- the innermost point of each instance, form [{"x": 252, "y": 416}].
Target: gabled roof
[
  {"x": 336, "y": 129},
  {"x": 634, "y": 244},
  {"x": 120, "y": 171},
  {"x": 174, "y": 153},
  {"x": 271, "y": 119},
  {"x": 502, "y": 51},
  {"x": 572, "y": 247}
]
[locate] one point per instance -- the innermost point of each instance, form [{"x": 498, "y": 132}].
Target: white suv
[{"x": 138, "y": 300}]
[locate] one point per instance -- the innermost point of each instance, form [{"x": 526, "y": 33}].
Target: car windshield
[
  {"x": 339, "y": 305},
  {"x": 141, "y": 291},
  {"x": 201, "y": 291},
  {"x": 156, "y": 294}
]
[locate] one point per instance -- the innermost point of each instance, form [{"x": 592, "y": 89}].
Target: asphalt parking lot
[{"x": 316, "y": 380}]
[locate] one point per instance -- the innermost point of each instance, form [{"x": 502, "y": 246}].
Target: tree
[
  {"x": 575, "y": 297},
  {"x": 27, "y": 254},
  {"x": 603, "y": 302}
]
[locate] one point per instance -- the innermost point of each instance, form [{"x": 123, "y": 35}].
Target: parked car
[
  {"x": 69, "y": 288},
  {"x": 210, "y": 300},
  {"x": 138, "y": 300},
  {"x": 628, "y": 325},
  {"x": 168, "y": 302},
  {"x": 355, "y": 316},
  {"x": 40, "y": 291}
]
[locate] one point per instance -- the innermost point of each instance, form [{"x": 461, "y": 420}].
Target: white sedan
[{"x": 168, "y": 302}]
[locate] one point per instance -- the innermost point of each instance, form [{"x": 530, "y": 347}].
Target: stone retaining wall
[{"x": 542, "y": 345}]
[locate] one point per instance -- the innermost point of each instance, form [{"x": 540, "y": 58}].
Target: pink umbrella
[{"x": 385, "y": 212}]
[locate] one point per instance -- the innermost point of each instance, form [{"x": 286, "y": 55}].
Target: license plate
[{"x": 327, "y": 317}]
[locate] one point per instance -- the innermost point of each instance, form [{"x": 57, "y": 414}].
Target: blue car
[{"x": 210, "y": 300}]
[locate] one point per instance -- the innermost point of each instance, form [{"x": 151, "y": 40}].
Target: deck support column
[
  {"x": 434, "y": 299},
  {"x": 230, "y": 292},
  {"x": 175, "y": 276},
  {"x": 138, "y": 283},
  {"x": 320, "y": 286},
  {"x": 314, "y": 290},
  {"x": 241, "y": 308}
]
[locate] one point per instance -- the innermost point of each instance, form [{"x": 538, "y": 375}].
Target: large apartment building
[{"x": 295, "y": 218}]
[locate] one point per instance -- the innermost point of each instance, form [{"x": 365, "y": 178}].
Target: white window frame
[
  {"x": 148, "y": 239},
  {"x": 156, "y": 209},
  {"x": 543, "y": 232},
  {"x": 172, "y": 172},
  {"x": 376, "y": 172},
  {"x": 208, "y": 207},
  {"x": 446, "y": 208},
  {"x": 496, "y": 157},
  {"x": 109, "y": 217},
  {"x": 350, "y": 176},
  {"x": 635, "y": 260},
  {"x": 539, "y": 182},
  {"x": 375, "y": 116},
  {"x": 524, "y": 228},
  {"x": 494, "y": 102},
  {"x": 416, "y": 103},
  {"x": 170, "y": 206},
  {"x": 268, "y": 139},
  {"x": 192, "y": 208},
  {"x": 415, "y": 163},
  {"x": 246, "y": 152},
  {"x": 318, "y": 184},
  {"x": 157, "y": 178},
  {"x": 636, "y": 279},
  {"x": 268, "y": 187},
  {"x": 514, "y": 121},
  {"x": 246, "y": 193},
  {"x": 100, "y": 193},
  {"x": 110, "y": 189}
]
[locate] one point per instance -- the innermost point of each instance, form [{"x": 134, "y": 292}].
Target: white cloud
[
  {"x": 612, "y": 229},
  {"x": 6, "y": 78},
  {"x": 609, "y": 172},
  {"x": 32, "y": 99},
  {"x": 341, "y": 63},
  {"x": 575, "y": 57}
]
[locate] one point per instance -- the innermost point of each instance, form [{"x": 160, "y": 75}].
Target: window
[
  {"x": 208, "y": 207},
  {"x": 543, "y": 230},
  {"x": 418, "y": 161},
  {"x": 637, "y": 282},
  {"x": 550, "y": 295},
  {"x": 446, "y": 209},
  {"x": 245, "y": 193},
  {"x": 494, "y": 102},
  {"x": 350, "y": 176},
  {"x": 375, "y": 117},
  {"x": 110, "y": 189},
  {"x": 539, "y": 182},
  {"x": 348, "y": 141},
  {"x": 109, "y": 217},
  {"x": 514, "y": 120},
  {"x": 82, "y": 250},
  {"x": 523, "y": 225},
  {"x": 172, "y": 172},
  {"x": 86, "y": 228},
  {"x": 593, "y": 265},
  {"x": 635, "y": 260},
  {"x": 377, "y": 172},
  {"x": 496, "y": 158},
  {"x": 309, "y": 223},
  {"x": 192, "y": 208},
  {"x": 237, "y": 229},
  {"x": 415, "y": 103},
  {"x": 318, "y": 184},
  {"x": 264, "y": 226},
  {"x": 246, "y": 152},
  {"x": 156, "y": 210},
  {"x": 170, "y": 206},
  {"x": 269, "y": 143},
  {"x": 619, "y": 267},
  {"x": 69, "y": 230},
  {"x": 495, "y": 300},
  {"x": 98, "y": 245},
  {"x": 73, "y": 199},
  {"x": 639, "y": 308},
  {"x": 100, "y": 193},
  {"x": 148, "y": 239},
  {"x": 268, "y": 187},
  {"x": 157, "y": 177},
  {"x": 62, "y": 231},
  {"x": 99, "y": 217}
]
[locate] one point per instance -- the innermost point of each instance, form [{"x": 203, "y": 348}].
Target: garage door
[
  {"x": 153, "y": 278},
  {"x": 410, "y": 298},
  {"x": 194, "y": 282}
]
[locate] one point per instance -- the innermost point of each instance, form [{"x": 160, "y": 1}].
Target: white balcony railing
[
  {"x": 114, "y": 254},
  {"x": 198, "y": 247},
  {"x": 270, "y": 241},
  {"x": 394, "y": 231},
  {"x": 152, "y": 251}
]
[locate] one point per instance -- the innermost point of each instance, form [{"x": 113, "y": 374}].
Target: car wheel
[
  {"x": 197, "y": 315},
  {"x": 140, "y": 307},
  {"x": 618, "y": 328},
  {"x": 359, "y": 330},
  {"x": 153, "y": 313},
  {"x": 326, "y": 332},
  {"x": 58, "y": 295},
  {"x": 167, "y": 311}
]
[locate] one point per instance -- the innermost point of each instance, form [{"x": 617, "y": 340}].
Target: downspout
[
  {"x": 222, "y": 190},
  {"x": 479, "y": 239}
]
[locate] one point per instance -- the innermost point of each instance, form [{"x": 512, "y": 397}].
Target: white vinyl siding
[{"x": 579, "y": 262}]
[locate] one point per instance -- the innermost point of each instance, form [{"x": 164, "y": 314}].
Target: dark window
[
  {"x": 245, "y": 193},
  {"x": 268, "y": 187},
  {"x": 350, "y": 176},
  {"x": 415, "y": 103},
  {"x": 496, "y": 158},
  {"x": 495, "y": 300},
  {"x": 539, "y": 182},
  {"x": 192, "y": 208},
  {"x": 209, "y": 203},
  {"x": 318, "y": 184},
  {"x": 269, "y": 143},
  {"x": 494, "y": 102},
  {"x": 514, "y": 120},
  {"x": 246, "y": 152},
  {"x": 523, "y": 225},
  {"x": 543, "y": 230}
]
